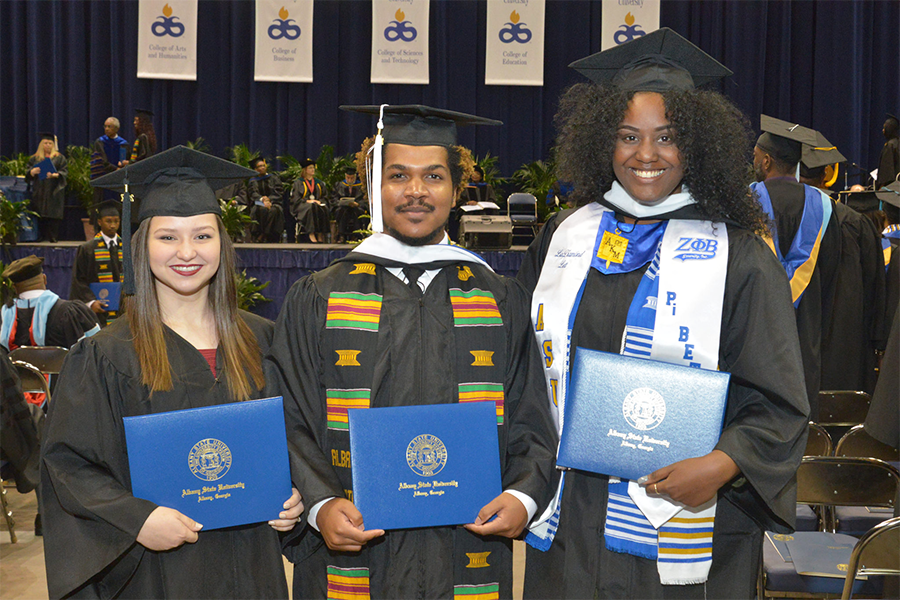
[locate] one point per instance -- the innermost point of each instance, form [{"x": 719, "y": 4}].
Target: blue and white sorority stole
[{"x": 682, "y": 326}]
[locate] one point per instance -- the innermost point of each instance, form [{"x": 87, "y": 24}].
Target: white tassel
[{"x": 374, "y": 176}]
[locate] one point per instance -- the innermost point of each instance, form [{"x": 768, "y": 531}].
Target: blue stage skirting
[{"x": 280, "y": 267}]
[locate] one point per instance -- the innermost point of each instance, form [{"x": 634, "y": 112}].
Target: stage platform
[{"x": 279, "y": 264}]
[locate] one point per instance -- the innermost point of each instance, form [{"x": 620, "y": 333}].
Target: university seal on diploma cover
[
  {"x": 426, "y": 455},
  {"x": 209, "y": 459}
]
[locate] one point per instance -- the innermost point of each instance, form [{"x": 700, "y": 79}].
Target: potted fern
[{"x": 11, "y": 214}]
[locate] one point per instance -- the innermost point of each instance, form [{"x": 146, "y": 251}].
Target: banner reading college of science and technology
[
  {"x": 400, "y": 41},
  {"x": 625, "y": 20},
  {"x": 515, "y": 42},
  {"x": 284, "y": 30},
  {"x": 167, "y": 39}
]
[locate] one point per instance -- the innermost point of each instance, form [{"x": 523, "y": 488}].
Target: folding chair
[
  {"x": 7, "y": 513},
  {"x": 840, "y": 410},
  {"x": 48, "y": 359},
  {"x": 828, "y": 481},
  {"x": 521, "y": 208},
  {"x": 877, "y": 553},
  {"x": 818, "y": 443},
  {"x": 857, "y": 520},
  {"x": 32, "y": 379}
]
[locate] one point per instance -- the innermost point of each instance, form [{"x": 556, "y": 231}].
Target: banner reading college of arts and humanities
[
  {"x": 167, "y": 39},
  {"x": 624, "y": 20},
  {"x": 400, "y": 41},
  {"x": 515, "y": 42},
  {"x": 284, "y": 30}
]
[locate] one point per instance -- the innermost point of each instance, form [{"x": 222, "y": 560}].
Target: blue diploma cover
[
  {"x": 424, "y": 466},
  {"x": 628, "y": 416},
  {"x": 46, "y": 166},
  {"x": 110, "y": 291},
  {"x": 220, "y": 465}
]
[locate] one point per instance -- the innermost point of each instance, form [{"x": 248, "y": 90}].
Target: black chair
[
  {"x": 818, "y": 443},
  {"x": 521, "y": 208},
  {"x": 48, "y": 359}
]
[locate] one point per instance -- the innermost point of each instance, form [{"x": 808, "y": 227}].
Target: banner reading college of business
[
  {"x": 515, "y": 43},
  {"x": 400, "y": 41},
  {"x": 284, "y": 30},
  {"x": 625, "y": 20},
  {"x": 167, "y": 39}
]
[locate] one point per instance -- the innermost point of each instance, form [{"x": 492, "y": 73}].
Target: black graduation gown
[
  {"x": 18, "y": 433},
  {"x": 312, "y": 217},
  {"x": 67, "y": 322},
  {"x": 814, "y": 311},
  {"x": 347, "y": 218},
  {"x": 418, "y": 365},
  {"x": 90, "y": 518},
  {"x": 857, "y": 320},
  {"x": 86, "y": 272},
  {"x": 764, "y": 433},
  {"x": 269, "y": 221},
  {"x": 883, "y": 420},
  {"x": 48, "y": 195}
]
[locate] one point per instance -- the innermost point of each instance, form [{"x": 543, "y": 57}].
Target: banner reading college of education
[
  {"x": 515, "y": 43},
  {"x": 167, "y": 39},
  {"x": 284, "y": 30},
  {"x": 624, "y": 20},
  {"x": 400, "y": 41}
]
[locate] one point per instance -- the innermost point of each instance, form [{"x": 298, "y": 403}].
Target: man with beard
[{"x": 398, "y": 302}]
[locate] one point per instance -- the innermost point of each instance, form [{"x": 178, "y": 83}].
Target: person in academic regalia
[
  {"x": 348, "y": 205},
  {"x": 856, "y": 327},
  {"x": 144, "y": 136},
  {"x": 308, "y": 204},
  {"x": 48, "y": 185},
  {"x": 108, "y": 153},
  {"x": 417, "y": 353},
  {"x": 264, "y": 192},
  {"x": 799, "y": 216},
  {"x": 889, "y": 161},
  {"x": 182, "y": 344},
  {"x": 658, "y": 167},
  {"x": 99, "y": 260},
  {"x": 37, "y": 316}
]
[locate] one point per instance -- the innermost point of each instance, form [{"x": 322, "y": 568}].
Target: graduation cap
[
  {"x": 822, "y": 154},
  {"x": 143, "y": 112},
  {"x": 107, "y": 208},
  {"x": 307, "y": 162},
  {"x": 179, "y": 182},
  {"x": 411, "y": 125},
  {"x": 785, "y": 140},
  {"x": 46, "y": 136},
  {"x": 890, "y": 194},
  {"x": 255, "y": 161},
  {"x": 863, "y": 202},
  {"x": 657, "y": 62}
]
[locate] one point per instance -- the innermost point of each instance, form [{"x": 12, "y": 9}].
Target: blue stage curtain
[
  {"x": 67, "y": 66},
  {"x": 281, "y": 268}
]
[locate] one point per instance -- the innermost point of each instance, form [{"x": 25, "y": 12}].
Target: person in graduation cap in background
[
  {"x": 412, "y": 347},
  {"x": 658, "y": 166},
  {"x": 308, "y": 204},
  {"x": 889, "y": 160},
  {"x": 856, "y": 328},
  {"x": 144, "y": 145},
  {"x": 182, "y": 343},
  {"x": 805, "y": 236},
  {"x": 99, "y": 260},
  {"x": 48, "y": 185}
]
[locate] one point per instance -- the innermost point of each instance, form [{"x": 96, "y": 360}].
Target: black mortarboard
[
  {"x": 350, "y": 170},
  {"x": 657, "y": 62},
  {"x": 179, "y": 182},
  {"x": 143, "y": 111},
  {"x": 46, "y": 136},
  {"x": 24, "y": 269},
  {"x": 784, "y": 140},
  {"x": 307, "y": 162},
  {"x": 107, "y": 208},
  {"x": 410, "y": 125},
  {"x": 417, "y": 125},
  {"x": 861, "y": 201},
  {"x": 255, "y": 161},
  {"x": 821, "y": 154},
  {"x": 890, "y": 194}
]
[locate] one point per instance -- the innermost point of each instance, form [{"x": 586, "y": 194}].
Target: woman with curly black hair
[{"x": 662, "y": 260}]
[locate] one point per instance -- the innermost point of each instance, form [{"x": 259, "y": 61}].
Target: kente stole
[
  {"x": 354, "y": 339},
  {"x": 800, "y": 261},
  {"x": 103, "y": 260},
  {"x": 688, "y": 262}
]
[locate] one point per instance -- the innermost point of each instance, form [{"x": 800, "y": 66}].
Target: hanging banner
[
  {"x": 514, "y": 52},
  {"x": 400, "y": 41},
  {"x": 284, "y": 30},
  {"x": 167, "y": 39},
  {"x": 625, "y": 20}
]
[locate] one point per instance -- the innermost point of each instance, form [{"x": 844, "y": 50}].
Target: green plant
[
  {"x": 199, "y": 145},
  {"x": 536, "y": 178},
  {"x": 329, "y": 168},
  {"x": 235, "y": 219},
  {"x": 241, "y": 154},
  {"x": 78, "y": 181},
  {"x": 249, "y": 289},
  {"x": 14, "y": 166},
  {"x": 488, "y": 164},
  {"x": 11, "y": 214},
  {"x": 7, "y": 289}
]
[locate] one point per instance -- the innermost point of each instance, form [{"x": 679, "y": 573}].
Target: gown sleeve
[
  {"x": 90, "y": 517},
  {"x": 82, "y": 275}
]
